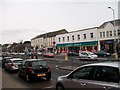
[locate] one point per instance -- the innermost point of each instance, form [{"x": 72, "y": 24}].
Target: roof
[
  {"x": 117, "y": 23},
  {"x": 34, "y": 59},
  {"x": 14, "y": 59},
  {"x": 51, "y": 34},
  {"x": 110, "y": 63}
]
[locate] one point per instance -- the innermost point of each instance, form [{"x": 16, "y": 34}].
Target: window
[
  {"x": 84, "y": 35},
  {"x": 107, "y": 34},
  {"x": 82, "y": 73},
  {"x": 110, "y": 33},
  {"x": 91, "y": 34},
  {"x": 114, "y": 32},
  {"x": 118, "y": 32},
  {"x": 67, "y": 38},
  {"x": 73, "y": 37},
  {"x": 100, "y": 34},
  {"x": 107, "y": 74},
  {"x": 63, "y": 39},
  {"x": 59, "y": 39},
  {"x": 103, "y": 34},
  {"x": 78, "y": 37}
]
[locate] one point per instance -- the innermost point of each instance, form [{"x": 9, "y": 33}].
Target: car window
[
  {"x": 38, "y": 63},
  {"x": 82, "y": 73},
  {"x": 107, "y": 74},
  {"x": 18, "y": 61}
]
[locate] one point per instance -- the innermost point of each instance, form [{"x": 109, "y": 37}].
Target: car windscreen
[
  {"x": 38, "y": 63},
  {"x": 18, "y": 61}
]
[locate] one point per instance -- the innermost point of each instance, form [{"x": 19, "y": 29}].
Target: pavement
[{"x": 71, "y": 68}]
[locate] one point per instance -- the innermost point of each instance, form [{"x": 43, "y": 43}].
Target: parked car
[
  {"x": 102, "y": 54},
  {"x": 4, "y": 59},
  {"x": 48, "y": 54},
  {"x": 87, "y": 54},
  {"x": 39, "y": 53},
  {"x": 12, "y": 64},
  {"x": 96, "y": 76},
  {"x": 72, "y": 54},
  {"x": 34, "y": 68}
]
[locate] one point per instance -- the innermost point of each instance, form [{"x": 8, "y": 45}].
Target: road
[{"x": 11, "y": 80}]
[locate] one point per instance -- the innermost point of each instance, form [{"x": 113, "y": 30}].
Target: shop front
[
  {"x": 76, "y": 47},
  {"x": 107, "y": 45}
]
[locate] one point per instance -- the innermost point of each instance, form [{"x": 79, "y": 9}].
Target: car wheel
[
  {"x": 27, "y": 77},
  {"x": 59, "y": 87}
]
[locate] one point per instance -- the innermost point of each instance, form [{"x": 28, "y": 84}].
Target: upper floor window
[
  {"x": 110, "y": 33},
  {"x": 103, "y": 34},
  {"x": 63, "y": 39},
  {"x": 107, "y": 34},
  {"x": 67, "y": 38},
  {"x": 73, "y": 37},
  {"x": 100, "y": 34},
  {"x": 78, "y": 37},
  {"x": 59, "y": 39},
  {"x": 114, "y": 32},
  {"x": 91, "y": 35},
  {"x": 84, "y": 35},
  {"x": 118, "y": 32}
]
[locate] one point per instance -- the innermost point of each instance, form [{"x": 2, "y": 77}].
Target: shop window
[
  {"x": 100, "y": 34},
  {"x": 91, "y": 34},
  {"x": 67, "y": 38},
  {"x": 118, "y": 32},
  {"x": 103, "y": 34},
  {"x": 59, "y": 39},
  {"x": 110, "y": 33},
  {"x": 78, "y": 37},
  {"x": 84, "y": 36},
  {"x": 107, "y": 34},
  {"x": 73, "y": 37}
]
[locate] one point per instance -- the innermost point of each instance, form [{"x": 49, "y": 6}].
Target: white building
[
  {"x": 85, "y": 39},
  {"x": 47, "y": 40},
  {"x": 97, "y": 38}
]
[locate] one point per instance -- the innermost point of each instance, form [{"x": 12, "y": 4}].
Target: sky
[{"x": 22, "y": 20}]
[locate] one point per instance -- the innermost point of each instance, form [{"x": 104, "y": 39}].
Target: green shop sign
[{"x": 94, "y": 43}]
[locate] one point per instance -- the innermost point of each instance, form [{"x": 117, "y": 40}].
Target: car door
[
  {"x": 79, "y": 78},
  {"x": 105, "y": 78},
  {"x": 22, "y": 68}
]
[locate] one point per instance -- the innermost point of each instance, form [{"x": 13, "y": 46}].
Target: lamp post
[{"x": 115, "y": 44}]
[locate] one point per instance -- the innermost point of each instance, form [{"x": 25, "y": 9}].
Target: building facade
[
  {"x": 103, "y": 37},
  {"x": 85, "y": 39},
  {"x": 47, "y": 40}
]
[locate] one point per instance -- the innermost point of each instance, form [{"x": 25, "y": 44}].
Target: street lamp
[{"x": 115, "y": 45}]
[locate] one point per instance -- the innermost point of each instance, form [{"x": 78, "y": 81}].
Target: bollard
[{"x": 66, "y": 57}]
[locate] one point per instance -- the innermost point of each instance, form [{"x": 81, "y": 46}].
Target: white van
[{"x": 87, "y": 54}]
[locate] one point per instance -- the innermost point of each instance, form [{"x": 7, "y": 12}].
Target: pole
[{"x": 115, "y": 44}]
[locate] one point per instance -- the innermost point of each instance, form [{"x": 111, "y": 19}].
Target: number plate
[{"x": 40, "y": 75}]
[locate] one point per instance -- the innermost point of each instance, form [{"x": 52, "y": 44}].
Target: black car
[
  {"x": 34, "y": 68},
  {"x": 102, "y": 54},
  {"x": 72, "y": 54}
]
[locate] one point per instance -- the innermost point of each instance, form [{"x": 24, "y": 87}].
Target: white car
[
  {"x": 87, "y": 54},
  {"x": 13, "y": 64}
]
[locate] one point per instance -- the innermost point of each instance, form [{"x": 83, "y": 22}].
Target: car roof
[
  {"x": 110, "y": 64},
  {"x": 15, "y": 59},
  {"x": 34, "y": 60}
]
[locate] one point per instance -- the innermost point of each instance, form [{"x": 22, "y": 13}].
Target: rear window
[
  {"x": 18, "y": 61},
  {"x": 38, "y": 63}
]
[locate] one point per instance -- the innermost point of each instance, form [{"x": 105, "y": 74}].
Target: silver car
[
  {"x": 99, "y": 76},
  {"x": 13, "y": 64}
]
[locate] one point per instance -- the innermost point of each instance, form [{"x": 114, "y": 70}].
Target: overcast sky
[{"x": 25, "y": 19}]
